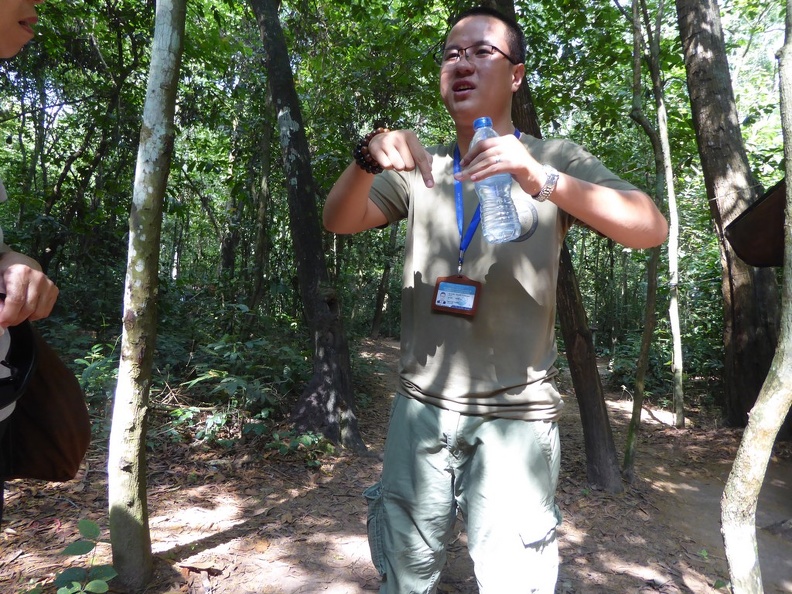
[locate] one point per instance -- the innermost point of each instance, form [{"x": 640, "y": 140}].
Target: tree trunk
[
  {"x": 382, "y": 290},
  {"x": 664, "y": 171},
  {"x": 602, "y": 467},
  {"x": 750, "y": 295},
  {"x": 738, "y": 505},
  {"x": 661, "y": 181},
  {"x": 641, "y": 365},
  {"x": 327, "y": 405},
  {"x": 262, "y": 199},
  {"x": 129, "y": 530}
]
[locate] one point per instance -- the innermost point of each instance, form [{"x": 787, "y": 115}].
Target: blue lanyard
[{"x": 465, "y": 237}]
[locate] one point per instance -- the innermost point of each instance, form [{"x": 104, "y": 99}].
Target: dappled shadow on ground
[{"x": 247, "y": 521}]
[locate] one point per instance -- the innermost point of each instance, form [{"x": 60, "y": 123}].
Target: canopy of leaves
[{"x": 70, "y": 109}]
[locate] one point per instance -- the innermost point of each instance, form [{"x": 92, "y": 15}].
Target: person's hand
[
  {"x": 400, "y": 150},
  {"x": 29, "y": 293},
  {"x": 504, "y": 154}
]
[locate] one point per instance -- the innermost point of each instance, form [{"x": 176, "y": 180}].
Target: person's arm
[
  {"x": 348, "y": 208},
  {"x": 29, "y": 293},
  {"x": 629, "y": 217}
]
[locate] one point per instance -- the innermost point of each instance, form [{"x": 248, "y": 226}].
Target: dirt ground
[{"x": 244, "y": 521}]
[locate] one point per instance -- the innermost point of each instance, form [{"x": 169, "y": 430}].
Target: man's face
[
  {"x": 17, "y": 18},
  {"x": 472, "y": 88}
]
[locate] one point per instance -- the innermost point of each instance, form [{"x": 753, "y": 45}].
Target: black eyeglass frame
[{"x": 440, "y": 60}]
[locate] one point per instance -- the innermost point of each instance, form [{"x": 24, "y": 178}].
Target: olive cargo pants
[{"x": 500, "y": 473}]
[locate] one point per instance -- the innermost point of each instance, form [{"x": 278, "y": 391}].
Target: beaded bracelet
[{"x": 362, "y": 156}]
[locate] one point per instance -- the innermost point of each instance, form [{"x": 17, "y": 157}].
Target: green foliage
[
  {"x": 309, "y": 446},
  {"x": 231, "y": 332},
  {"x": 78, "y": 580},
  {"x": 232, "y": 369},
  {"x": 657, "y": 380},
  {"x": 100, "y": 375}
]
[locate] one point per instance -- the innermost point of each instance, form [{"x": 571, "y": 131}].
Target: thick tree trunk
[
  {"x": 738, "y": 506},
  {"x": 750, "y": 295},
  {"x": 129, "y": 530},
  {"x": 602, "y": 466},
  {"x": 327, "y": 405}
]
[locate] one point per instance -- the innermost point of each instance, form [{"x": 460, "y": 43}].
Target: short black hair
[{"x": 516, "y": 35}]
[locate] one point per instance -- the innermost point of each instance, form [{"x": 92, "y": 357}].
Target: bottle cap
[{"x": 484, "y": 122}]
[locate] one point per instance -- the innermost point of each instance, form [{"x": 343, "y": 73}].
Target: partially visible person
[
  {"x": 27, "y": 293},
  {"x": 17, "y": 19}
]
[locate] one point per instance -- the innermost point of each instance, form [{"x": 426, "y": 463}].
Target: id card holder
[{"x": 456, "y": 295}]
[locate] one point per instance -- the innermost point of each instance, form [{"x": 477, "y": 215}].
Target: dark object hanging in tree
[{"x": 757, "y": 235}]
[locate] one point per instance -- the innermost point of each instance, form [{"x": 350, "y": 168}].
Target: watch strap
[{"x": 550, "y": 183}]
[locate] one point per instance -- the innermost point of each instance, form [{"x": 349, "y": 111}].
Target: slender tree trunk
[
  {"x": 382, "y": 290},
  {"x": 260, "y": 170},
  {"x": 664, "y": 182},
  {"x": 638, "y": 115},
  {"x": 628, "y": 465},
  {"x": 232, "y": 222},
  {"x": 738, "y": 505},
  {"x": 677, "y": 364},
  {"x": 327, "y": 405},
  {"x": 129, "y": 530},
  {"x": 614, "y": 303},
  {"x": 750, "y": 295}
]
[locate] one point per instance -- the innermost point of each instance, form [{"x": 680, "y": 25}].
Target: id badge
[{"x": 456, "y": 295}]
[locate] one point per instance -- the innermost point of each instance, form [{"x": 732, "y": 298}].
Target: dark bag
[
  {"x": 49, "y": 431},
  {"x": 757, "y": 235}
]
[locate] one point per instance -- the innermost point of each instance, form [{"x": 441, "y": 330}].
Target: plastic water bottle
[{"x": 499, "y": 220}]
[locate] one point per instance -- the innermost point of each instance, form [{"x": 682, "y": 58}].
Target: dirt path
[{"x": 242, "y": 522}]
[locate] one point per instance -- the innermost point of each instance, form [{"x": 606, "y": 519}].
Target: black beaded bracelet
[{"x": 362, "y": 156}]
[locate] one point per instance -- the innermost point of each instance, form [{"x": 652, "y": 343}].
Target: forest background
[{"x": 233, "y": 349}]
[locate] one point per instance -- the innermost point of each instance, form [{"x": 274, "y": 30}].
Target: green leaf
[
  {"x": 89, "y": 529},
  {"x": 72, "y": 589},
  {"x": 70, "y": 575},
  {"x": 80, "y": 547},
  {"x": 98, "y": 586},
  {"x": 102, "y": 572}
]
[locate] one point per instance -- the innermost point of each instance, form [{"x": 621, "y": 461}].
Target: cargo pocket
[
  {"x": 374, "y": 524},
  {"x": 539, "y": 524},
  {"x": 537, "y": 530}
]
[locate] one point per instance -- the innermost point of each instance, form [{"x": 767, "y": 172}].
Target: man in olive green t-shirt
[{"x": 473, "y": 426}]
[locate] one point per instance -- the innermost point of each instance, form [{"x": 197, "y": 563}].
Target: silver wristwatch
[{"x": 549, "y": 185}]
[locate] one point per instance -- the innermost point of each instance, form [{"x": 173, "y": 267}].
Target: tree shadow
[{"x": 246, "y": 521}]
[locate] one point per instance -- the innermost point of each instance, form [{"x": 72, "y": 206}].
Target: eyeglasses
[{"x": 478, "y": 52}]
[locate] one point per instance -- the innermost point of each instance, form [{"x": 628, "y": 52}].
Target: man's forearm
[
  {"x": 9, "y": 257},
  {"x": 348, "y": 208}
]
